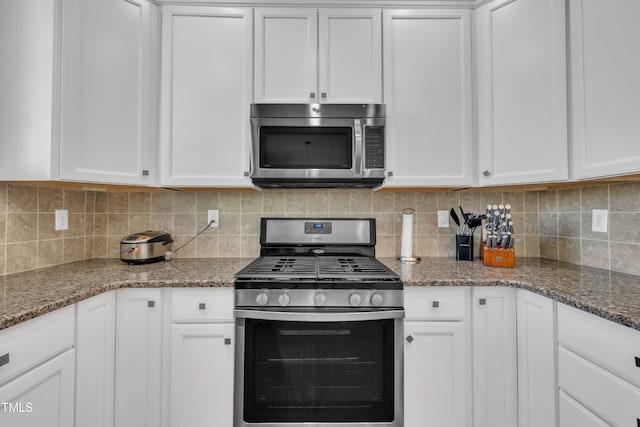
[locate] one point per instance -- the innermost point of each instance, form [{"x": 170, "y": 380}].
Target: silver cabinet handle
[
  {"x": 637, "y": 362},
  {"x": 202, "y": 306},
  {"x": 227, "y": 341},
  {"x": 246, "y": 173},
  {"x": 390, "y": 173},
  {"x": 4, "y": 359},
  {"x": 486, "y": 173},
  {"x": 145, "y": 172},
  {"x": 151, "y": 304},
  {"x": 409, "y": 339},
  {"x": 435, "y": 304},
  {"x": 312, "y": 95},
  {"x": 482, "y": 301},
  {"x": 323, "y": 95}
]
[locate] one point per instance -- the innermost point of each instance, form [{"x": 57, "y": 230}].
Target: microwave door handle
[{"x": 358, "y": 155}]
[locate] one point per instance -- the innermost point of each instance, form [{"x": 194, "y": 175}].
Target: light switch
[
  {"x": 62, "y": 219},
  {"x": 443, "y": 219}
]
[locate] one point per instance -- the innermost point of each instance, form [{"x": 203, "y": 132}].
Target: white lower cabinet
[
  {"x": 138, "y": 357},
  {"x": 495, "y": 370},
  {"x": 95, "y": 361},
  {"x": 437, "y": 375},
  {"x": 573, "y": 414},
  {"x": 537, "y": 388}
]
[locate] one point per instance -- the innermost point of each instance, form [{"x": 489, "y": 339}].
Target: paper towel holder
[{"x": 408, "y": 259}]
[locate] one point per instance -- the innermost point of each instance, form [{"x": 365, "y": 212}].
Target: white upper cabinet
[
  {"x": 427, "y": 90},
  {"x": 306, "y": 56},
  {"x": 108, "y": 83},
  {"x": 206, "y": 93},
  {"x": 605, "y": 88},
  {"x": 521, "y": 91}
]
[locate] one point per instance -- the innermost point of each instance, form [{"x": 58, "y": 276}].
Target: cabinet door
[
  {"x": 206, "y": 92},
  {"x": 286, "y": 55},
  {"x": 202, "y": 375},
  {"x": 42, "y": 396},
  {"x": 95, "y": 361},
  {"x": 138, "y": 358},
  {"x": 537, "y": 360},
  {"x": 107, "y": 86},
  {"x": 350, "y": 56},
  {"x": 605, "y": 89},
  {"x": 495, "y": 383},
  {"x": 436, "y": 375},
  {"x": 427, "y": 90},
  {"x": 521, "y": 91}
]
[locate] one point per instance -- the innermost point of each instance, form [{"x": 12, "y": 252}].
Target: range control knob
[
  {"x": 320, "y": 299},
  {"x": 355, "y": 299},
  {"x": 377, "y": 299},
  {"x": 284, "y": 299},
  {"x": 262, "y": 298}
]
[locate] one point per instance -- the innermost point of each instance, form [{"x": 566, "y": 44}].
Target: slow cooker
[{"x": 145, "y": 247}]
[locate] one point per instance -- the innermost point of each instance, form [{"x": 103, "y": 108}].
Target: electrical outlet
[
  {"x": 443, "y": 219},
  {"x": 599, "y": 219},
  {"x": 62, "y": 219},
  {"x": 213, "y": 215}
]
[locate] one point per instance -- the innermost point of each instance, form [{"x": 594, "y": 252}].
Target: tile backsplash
[{"x": 551, "y": 224}]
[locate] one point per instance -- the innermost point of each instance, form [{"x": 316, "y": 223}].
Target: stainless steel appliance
[
  {"x": 319, "y": 329},
  {"x": 145, "y": 247},
  {"x": 318, "y": 145}
]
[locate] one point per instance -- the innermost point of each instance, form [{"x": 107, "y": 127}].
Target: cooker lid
[{"x": 148, "y": 236}]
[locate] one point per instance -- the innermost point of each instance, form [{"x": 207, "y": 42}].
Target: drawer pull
[
  {"x": 638, "y": 362},
  {"x": 638, "y": 421},
  {"x": 202, "y": 306},
  {"x": 483, "y": 301},
  {"x": 435, "y": 304},
  {"x": 4, "y": 359},
  {"x": 227, "y": 341},
  {"x": 409, "y": 339},
  {"x": 151, "y": 304}
]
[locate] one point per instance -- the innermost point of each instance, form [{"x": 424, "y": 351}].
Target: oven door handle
[{"x": 297, "y": 316}]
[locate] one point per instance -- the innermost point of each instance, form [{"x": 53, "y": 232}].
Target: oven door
[{"x": 310, "y": 368}]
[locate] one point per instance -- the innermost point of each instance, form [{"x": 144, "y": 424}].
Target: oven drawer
[
  {"x": 436, "y": 303},
  {"x": 202, "y": 305}
]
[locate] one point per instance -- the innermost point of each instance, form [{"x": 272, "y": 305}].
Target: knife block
[{"x": 498, "y": 257}]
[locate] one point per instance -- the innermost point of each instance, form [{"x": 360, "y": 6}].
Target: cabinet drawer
[
  {"x": 613, "y": 346},
  {"x": 606, "y": 395},
  {"x": 573, "y": 414},
  {"x": 202, "y": 305},
  {"x": 431, "y": 303},
  {"x": 30, "y": 343}
]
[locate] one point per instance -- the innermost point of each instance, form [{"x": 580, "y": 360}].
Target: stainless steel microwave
[{"x": 318, "y": 145}]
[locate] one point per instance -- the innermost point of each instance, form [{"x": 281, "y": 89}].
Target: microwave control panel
[{"x": 374, "y": 147}]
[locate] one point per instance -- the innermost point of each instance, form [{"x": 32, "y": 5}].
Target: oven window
[
  {"x": 319, "y": 371},
  {"x": 305, "y": 147}
]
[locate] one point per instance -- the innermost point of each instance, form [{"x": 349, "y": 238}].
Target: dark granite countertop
[{"x": 614, "y": 296}]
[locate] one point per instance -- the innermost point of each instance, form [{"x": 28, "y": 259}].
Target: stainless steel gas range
[{"x": 318, "y": 329}]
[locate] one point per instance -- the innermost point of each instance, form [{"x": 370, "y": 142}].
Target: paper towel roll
[{"x": 406, "y": 248}]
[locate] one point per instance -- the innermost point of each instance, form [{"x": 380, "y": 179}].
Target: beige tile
[
  {"x": 531, "y": 245},
  {"x": 229, "y": 225},
  {"x": 140, "y": 203},
  {"x": 295, "y": 203},
  {"x": 569, "y": 200},
  {"x": 404, "y": 201},
  {"x": 519, "y": 246},
  {"x": 139, "y": 222},
  {"x": 595, "y": 253},
  {"x": 549, "y": 247},
  {"x": 385, "y": 246},
  {"x": 162, "y": 202},
  {"x": 426, "y": 223},
  {"x": 3, "y": 198},
  {"x": 587, "y": 224},
  {"x": 596, "y": 197},
  {"x": 3, "y": 227},
  {"x": 426, "y": 202},
  {"x": 21, "y": 256},
  {"x": 339, "y": 203},
  {"x": 207, "y": 247},
  {"x": 75, "y": 201},
  {"x": 184, "y": 224},
  {"x": 49, "y": 199},
  {"x": 531, "y": 201},
  {"x": 273, "y": 202},
  {"x": 448, "y": 200},
  {"x": 385, "y": 224},
  {"x": 47, "y": 227},
  {"x": 76, "y": 225},
  {"x": 427, "y": 246},
  {"x": 383, "y": 202},
  {"x": 100, "y": 247},
  {"x": 530, "y": 224},
  {"x": 187, "y": 251},
  {"x": 229, "y": 202},
  {"x": 162, "y": 222},
  {"x": 472, "y": 202},
  {"x": 548, "y": 201},
  {"x": 118, "y": 203},
  {"x": 491, "y": 198},
  {"x": 202, "y": 220},
  {"x": 102, "y": 203},
  {"x": 50, "y": 252},
  {"x": 100, "y": 224},
  {"x": 625, "y": 227},
  {"x": 22, "y": 198},
  {"x": 90, "y": 202},
  {"x": 184, "y": 203},
  {"x": 250, "y": 224},
  {"x": 447, "y": 246},
  {"x": 362, "y": 202},
  {"x": 206, "y": 200},
  {"x": 2, "y": 257},
  {"x": 569, "y": 225},
  {"x": 515, "y": 199},
  {"x": 318, "y": 203},
  {"x": 251, "y": 202},
  {"x": 113, "y": 246},
  {"x": 624, "y": 197},
  {"x": 548, "y": 224},
  {"x": 250, "y": 246},
  {"x": 90, "y": 225},
  {"x": 88, "y": 247},
  {"x": 230, "y": 246},
  {"x": 518, "y": 222},
  {"x": 624, "y": 258},
  {"x": 118, "y": 225},
  {"x": 22, "y": 227},
  {"x": 569, "y": 250}
]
